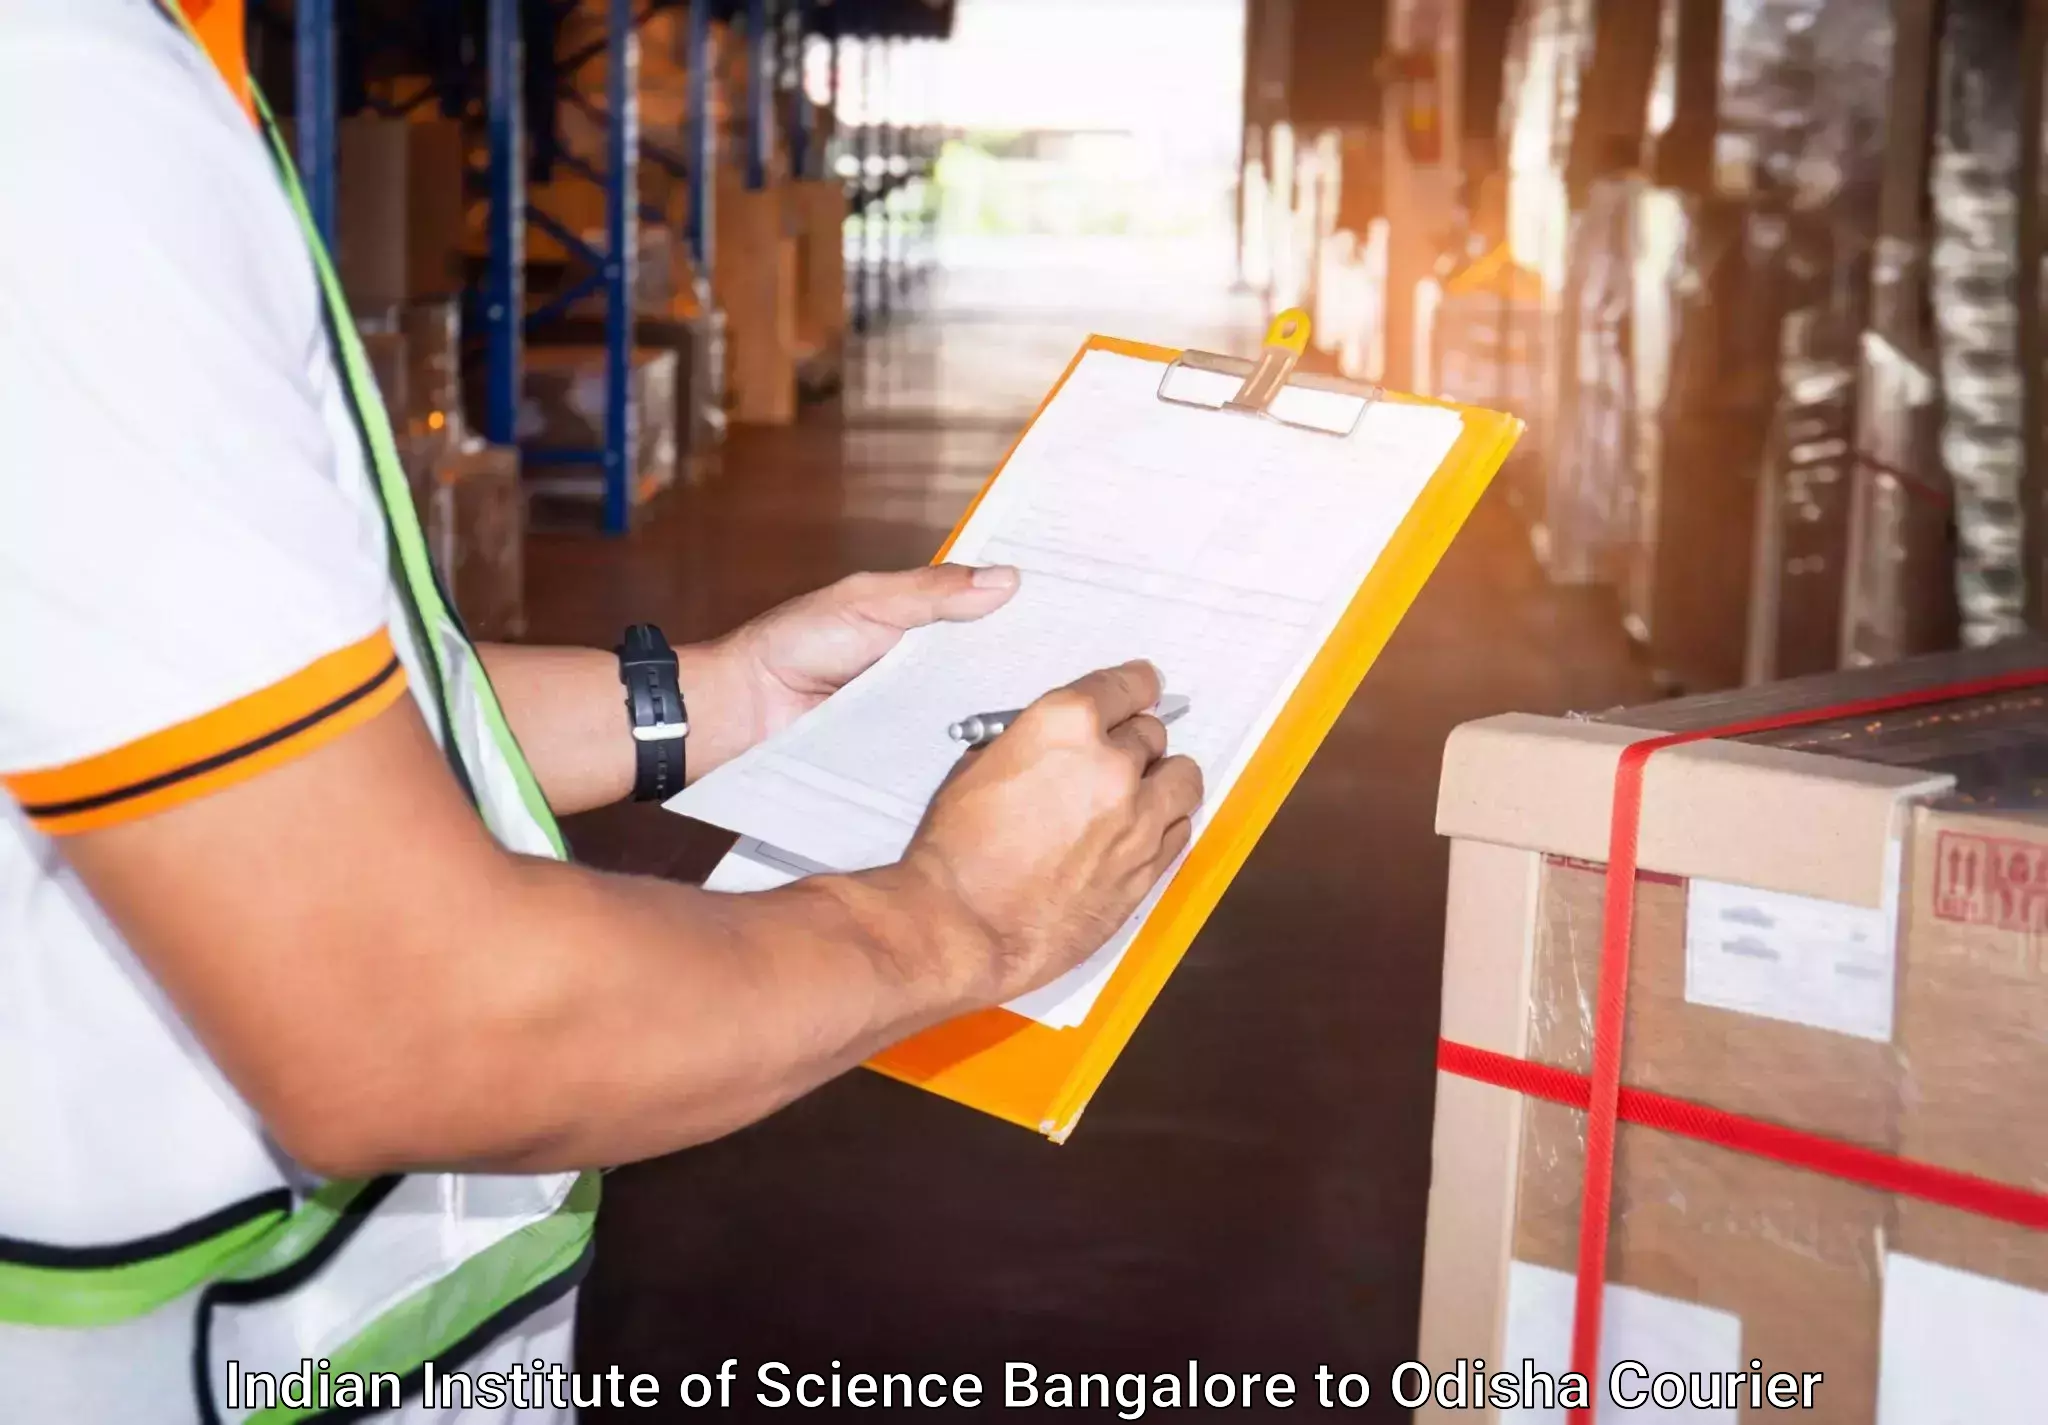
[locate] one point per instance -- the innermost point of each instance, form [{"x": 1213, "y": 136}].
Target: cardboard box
[
  {"x": 755, "y": 276},
  {"x": 371, "y": 222},
  {"x": 1803, "y": 955},
  {"x": 476, "y": 528},
  {"x": 436, "y": 207},
  {"x": 433, "y": 363},
  {"x": 1973, "y": 1026},
  {"x": 562, "y": 405},
  {"x": 820, "y": 205}
]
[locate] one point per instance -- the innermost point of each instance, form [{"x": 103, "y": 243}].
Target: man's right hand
[
  {"x": 553, "y": 1016},
  {"x": 1050, "y": 836}
]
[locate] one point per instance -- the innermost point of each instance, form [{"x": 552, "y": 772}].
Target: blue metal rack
[
  {"x": 499, "y": 304},
  {"x": 503, "y": 298},
  {"x": 313, "y": 73},
  {"x": 609, "y": 264},
  {"x": 775, "y": 33}
]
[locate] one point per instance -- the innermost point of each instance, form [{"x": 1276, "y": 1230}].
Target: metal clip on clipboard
[{"x": 1269, "y": 388}]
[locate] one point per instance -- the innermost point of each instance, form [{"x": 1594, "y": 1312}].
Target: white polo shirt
[{"x": 194, "y": 588}]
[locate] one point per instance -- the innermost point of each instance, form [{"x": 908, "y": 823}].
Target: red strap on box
[
  {"x": 1602, "y": 1092},
  {"x": 1851, "y": 1162}
]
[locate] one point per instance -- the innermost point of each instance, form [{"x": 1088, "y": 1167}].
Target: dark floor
[{"x": 1248, "y": 1187}]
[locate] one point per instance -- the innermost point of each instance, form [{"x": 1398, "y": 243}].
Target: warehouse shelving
[{"x": 492, "y": 89}]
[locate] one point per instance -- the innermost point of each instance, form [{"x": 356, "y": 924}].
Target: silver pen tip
[{"x": 957, "y": 731}]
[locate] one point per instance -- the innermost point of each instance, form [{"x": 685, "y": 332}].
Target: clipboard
[{"x": 1039, "y": 1077}]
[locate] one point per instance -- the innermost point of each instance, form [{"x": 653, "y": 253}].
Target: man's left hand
[{"x": 784, "y": 663}]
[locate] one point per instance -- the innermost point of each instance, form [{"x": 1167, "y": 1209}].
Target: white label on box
[
  {"x": 1661, "y": 1333},
  {"x": 1957, "y": 1348},
  {"x": 1795, "y": 958}
]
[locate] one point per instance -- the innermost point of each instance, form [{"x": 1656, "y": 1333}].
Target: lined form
[{"x": 1222, "y": 548}]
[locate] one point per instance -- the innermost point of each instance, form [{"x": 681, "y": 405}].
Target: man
[{"x": 308, "y": 1037}]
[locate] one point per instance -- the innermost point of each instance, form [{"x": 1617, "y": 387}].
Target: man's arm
[
  {"x": 568, "y": 708},
  {"x": 390, "y": 989}
]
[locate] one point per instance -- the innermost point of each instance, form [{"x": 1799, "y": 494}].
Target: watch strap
[{"x": 656, "y": 715}]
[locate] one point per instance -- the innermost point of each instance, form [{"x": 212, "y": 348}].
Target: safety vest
[{"x": 361, "y": 1279}]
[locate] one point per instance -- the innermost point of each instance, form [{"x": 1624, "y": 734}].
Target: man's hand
[
  {"x": 1051, "y": 835},
  {"x": 770, "y": 671}
]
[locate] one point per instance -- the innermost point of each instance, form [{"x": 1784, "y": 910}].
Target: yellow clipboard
[{"x": 1042, "y": 1078}]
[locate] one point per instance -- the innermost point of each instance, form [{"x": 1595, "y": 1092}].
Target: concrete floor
[{"x": 1248, "y": 1188}]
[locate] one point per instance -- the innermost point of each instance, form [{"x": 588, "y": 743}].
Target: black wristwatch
[{"x": 654, "y": 707}]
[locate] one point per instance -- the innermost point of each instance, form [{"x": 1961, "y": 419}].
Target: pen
[{"x": 986, "y": 727}]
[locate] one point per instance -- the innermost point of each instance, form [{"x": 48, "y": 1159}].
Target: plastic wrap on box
[
  {"x": 1749, "y": 304},
  {"x": 433, "y": 356},
  {"x": 1792, "y": 1257},
  {"x": 1899, "y": 596},
  {"x": 700, "y": 390},
  {"x": 1803, "y": 526},
  {"x": 1661, "y": 227},
  {"x": 1548, "y": 48},
  {"x": 1589, "y": 510},
  {"x": 1815, "y": 85},
  {"x": 562, "y": 407},
  {"x": 475, "y": 523},
  {"x": 1482, "y": 327},
  {"x": 1803, "y": 96},
  {"x": 1975, "y": 287},
  {"x": 1688, "y": 581}
]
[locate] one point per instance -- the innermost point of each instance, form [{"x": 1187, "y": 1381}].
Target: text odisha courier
[{"x": 1467, "y": 1384}]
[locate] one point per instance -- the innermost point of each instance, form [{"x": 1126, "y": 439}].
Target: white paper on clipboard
[{"x": 1221, "y": 547}]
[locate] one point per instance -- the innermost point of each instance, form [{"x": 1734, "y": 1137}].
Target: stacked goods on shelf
[
  {"x": 399, "y": 209},
  {"x": 1899, "y": 595},
  {"x": 659, "y": 46},
  {"x": 1589, "y": 507},
  {"x": 1809, "y": 94},
  {"x": 399, "y": 227},
  {"x": 1702, "y": 352},
  {"x": 1350, "y": 293},
  {"x": 1313, "y": 201},
  {"x": 1482, "y": 319},
  {"x": 473, "y": 511},
  {"x": 1420, "y": 174},
  {"x": 1837, "y": 954},
  {"x": 1753, "y": 253},
  {"x": 1550, "y": 46},
  {"x": 471, "y": 504},
  {"x": 562, "y": 409},
  {"x": 1704, "y": 359},
  {"x": 755, "y": 276},
  {"x": 692, "y": 332},
  {"x": 1478, "y": 314},
  {"x": 820, "y": 210},
  {"x": 672, "y": 304},
  {"x": 370, "y": 228},
  {"x": 1975, "y": 286}
]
